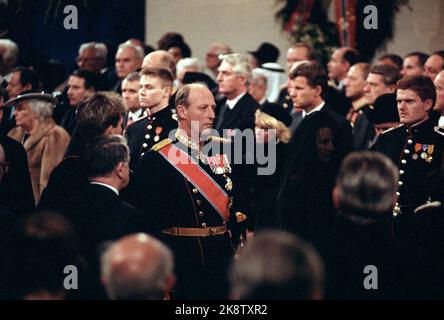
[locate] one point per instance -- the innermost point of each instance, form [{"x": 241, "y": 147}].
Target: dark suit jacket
[
  {"x": 15, "y": 188},
  {"x": 68, "y": 179},
  {"x": 241, "y": 117},
  {"x": 363, "y": 133},
  {"x": 98, "y": 215}
]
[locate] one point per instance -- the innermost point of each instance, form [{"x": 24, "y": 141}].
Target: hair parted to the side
[
  {"x": 98, "y": 112},
  {"x": 422, "y": 85}
]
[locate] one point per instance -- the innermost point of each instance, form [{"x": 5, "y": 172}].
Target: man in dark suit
[
  {"x": 307, "y": 82},
  {"x": 98, "y": 214},
  {"x": 237, "y": 111},
  {"x": 100, "y": 114},
  {"x": 156, "y": 85}
]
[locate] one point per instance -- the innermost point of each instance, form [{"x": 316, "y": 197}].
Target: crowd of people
[{"x": 145, "y": 175}]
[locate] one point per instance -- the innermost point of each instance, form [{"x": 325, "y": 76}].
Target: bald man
[
  {"x": 160, "y": 59},
  {"x": 138, "y": 267}
]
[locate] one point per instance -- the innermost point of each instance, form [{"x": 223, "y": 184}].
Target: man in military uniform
[
  {"x": 155, "y": 89},
  {"x": 414, "y": 146},
  {"x": 185, "y": 192}
]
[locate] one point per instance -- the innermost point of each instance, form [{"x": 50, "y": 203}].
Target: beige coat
[{"x": 45, "y": 148}]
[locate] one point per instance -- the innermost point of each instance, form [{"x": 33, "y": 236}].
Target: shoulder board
[
  {"x": 391, "y": 129},
  {"x": 161, "y": 144},
  {"x": 219, "y": 139}
]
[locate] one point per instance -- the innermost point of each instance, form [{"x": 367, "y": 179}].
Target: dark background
[{"x": 37, "y": 27}]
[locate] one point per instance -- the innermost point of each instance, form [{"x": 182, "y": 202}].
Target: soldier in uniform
[
  {"x": 185, "y": 192},
  {"x": 415, "y": 146},
  {"x": 155, "y": 90}
]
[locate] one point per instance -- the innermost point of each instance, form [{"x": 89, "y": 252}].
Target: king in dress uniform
[{"x": 186, "y": 195}]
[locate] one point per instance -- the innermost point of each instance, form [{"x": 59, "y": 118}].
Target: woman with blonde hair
[{"x": 272, "y": 133}]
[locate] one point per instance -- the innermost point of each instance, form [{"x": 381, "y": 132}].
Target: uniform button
[
  {"x": 154, "y": 118},
  {"x": 204, "y": 225},
  {"x": 144, "y": 145},
  {"x": 406, "y": 151},
  {"x": 201, "y": 214},
  {"x": 142, "y": 154},
  {"x": 398, "y": 194},
  {"x": 403, "y": 161},
  {"x": 410, "y": 141},
  {"x": 149, "y": 127},
  {"x": 147, "y": 136},
  {"x": 401, "y": 172},
  {"x": 198, "y": 202},
  {"x": 400, "y": 183},
  {"x": 195, "y": 190}
]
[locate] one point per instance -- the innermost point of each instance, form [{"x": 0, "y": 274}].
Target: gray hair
[
  {"x": 133, "y": 76},
  {"x": 259, "y": 75},
  {"x": 240, "y": 63},
  {"x": 183, "y": 93},
  {"x": 221, "y": 48},
  {"x": 367, "y": 183},
  {"x": 100, "y": 49},
  {"x": 148, "y": 284},
  {"x": 187, "y": 63},
  {"x": 41, "y": 108},
  {"x": 138, "y": 50},
  {"x": 11, "y": 55},
  {"x": 277, "y": 265}
]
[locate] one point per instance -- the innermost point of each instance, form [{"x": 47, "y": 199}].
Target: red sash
[{"x": 191, "y": 170}]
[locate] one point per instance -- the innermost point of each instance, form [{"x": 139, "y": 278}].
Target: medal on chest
[{"x": 219, "y": 165}]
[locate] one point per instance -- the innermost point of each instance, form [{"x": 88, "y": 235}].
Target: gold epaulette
[
  {"x": 391, "y": 129},
  {"x": 161, "y": 144},
  {"x": 219, "y": 139}
]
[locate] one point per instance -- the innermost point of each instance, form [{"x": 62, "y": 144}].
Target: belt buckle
[{"x": 213, "y": 231}]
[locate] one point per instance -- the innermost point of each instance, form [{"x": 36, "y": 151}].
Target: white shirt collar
[
  {"x": 135, "y": 115},
  {"x": 263, "y": 100},
  {"x": 231, "y": 103},
  {"x": 107, "y": 186},
  {"x": 441, "y": 121},
  {"x": 318, "y": 108}
]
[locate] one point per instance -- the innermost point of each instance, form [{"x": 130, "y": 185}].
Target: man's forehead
[
  {"x": 201, "y": 95},
  {"x": 406, "y": 93},
  {"x": 77, "y": 80}
]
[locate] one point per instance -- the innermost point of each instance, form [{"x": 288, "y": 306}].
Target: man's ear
[
  {"x": 181, "y": 111},
  {"x": 167, "y": 91},
  {"x": 120, "y": 168},
  {"x": 336, "y": 198},
  {"x": 428, "y": 105},
  {"x": 318, "y": 89}
]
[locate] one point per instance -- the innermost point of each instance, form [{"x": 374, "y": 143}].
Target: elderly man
[
  {"x": 185, "y": 193},
  {"x": 9, "y": 51},
  {"x": 237, "y": 111},
  {"x": 129, "y": 59},
  {"x": 138, "y": 267},
  {"x": 213, "y": 57},
  {"x": 341, "y": 61}
]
